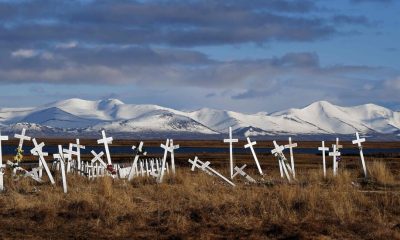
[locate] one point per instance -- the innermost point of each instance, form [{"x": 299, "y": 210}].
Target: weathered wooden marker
[
  {"x": 290, "y": 146},
  {"x": 172, "y": 151},
  {"x": 206, "y": 167},
  {"x": 37, "y": 151},
  {"x": 283, "y": 165},
  {"x": 250, "y": 145},
  {"x": 138, "y": 150},
  {"x": 231, "y": 140},
  {"x": 334, "y": 154},
  {"x": 323, "y": 149},
  {"x": 358, "y": 141},
  {"x": 167, "y": 148},
  {"x": 77, "y": 152},
  {"x": 107, "y": 140},
  {"x": 2, "y": 166},
  {"x": 60, "y": 156},
  {"x": 242, "y": 173},
  {"x": 22, "y": 137}
]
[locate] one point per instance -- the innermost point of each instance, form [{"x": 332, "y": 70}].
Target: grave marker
[
  {"x": 240, "y": 171},
  {"x": 206, "y": 167},
  {"x": 250, "y": 145},
  {"x": 323, "y": 149},
  {"x": 2, "y": 166},
  {"x": 334, "y": 154},
  {"x": 231, "y": 140},
  {"x": 358, "y": 141},
  {"x": 38, "y": 150},
  {"x": 290, "y": 146}
]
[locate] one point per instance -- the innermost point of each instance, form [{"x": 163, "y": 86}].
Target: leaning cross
[
  {"x": 358, "y": 141},
  {"x": 231, "y": 140},
  {"x": 291, "y": 146},
  {"x": 22, "y": 137},
  {"x": 167, "y": 149},
  {"x": 206, "y": 167},
  {"x": 60, "y": 156},
  {"x": 106, "y": 141},
  {"x": 250, "y": 145},
  {"x": 241, "y": 172},
  {"x": 37, "y": 151}
]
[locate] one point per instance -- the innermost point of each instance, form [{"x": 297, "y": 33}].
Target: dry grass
[{"x": 194, "y": 205}]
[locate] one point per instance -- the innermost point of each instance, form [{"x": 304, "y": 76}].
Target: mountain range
[{"x": 77, "y": 117}]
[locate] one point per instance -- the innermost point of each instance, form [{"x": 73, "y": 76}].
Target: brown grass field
[{"x": 193, "y": 205}]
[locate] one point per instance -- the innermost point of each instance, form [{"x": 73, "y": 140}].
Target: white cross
[
  {"x": 334, "y": 154},
  {"x": 22, "y": 138},
  {"x": 167, "y": 149},
  {"x": 140, "y": 148},
  {"x": 134, "y": 169},
  {"x": 338, "y": 146},
  {"x": 241, "y": 172},
  {"x": 2, "y": 138},
  {"x": 323, "y": 149},
  {"x": 283, "y": 167},
  {"x": 172, "y": 151},
  {"x": 250, "y": 145},
  {"x": 106, "y": 141},
  {"x": 231, "y": 140},
  {"x": 61, "y": 157},
  {"x": 358, "y": 141},
  {"x": 97, "y": 158},
  {"x": 78, "y": 147},
  {"x": 206, "y": 167},
  {"x": 37, "y": 150},
  {"x": 290, "y": 146}
]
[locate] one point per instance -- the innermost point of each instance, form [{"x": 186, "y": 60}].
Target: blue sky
[{"x": 250, "y": 56}]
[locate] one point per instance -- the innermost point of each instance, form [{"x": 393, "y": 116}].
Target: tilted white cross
[
  {"x": 250, "y": 145},
  {"x": 133, "y": 169},
  {"x": 283, "y": 166},
  {"x": 167, "y": 148},
  {"x": 97, "y": 158},
  {"x": 358, "y": 141},
  {"x": 242, "y": 173},
  {"x": 68, "y": 158},
  {"x": 22, "y": 137},
  {"x": 290, "y": 146},
  {"x": 106, "y": 141},
  {"x": 334, "y": 154},
  {"x": 60, "y": 156},
  {"x": 2, "y": 167},
  {"x": 323, "y": 149},
  {"x": 38, "y": 150},
  {"x": 172, "y": 151},
  {"x": 231, "y": 140},
  {"x": 206, "y": 167}
]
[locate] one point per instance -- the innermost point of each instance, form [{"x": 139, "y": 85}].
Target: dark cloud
[
  {"x": 351, "y": 20},
  {"x": 173, "y": 22}
]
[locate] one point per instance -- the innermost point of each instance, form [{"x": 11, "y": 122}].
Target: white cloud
[
  {"x": 24, "y": 53},
  {"x": 67, "y": 45}
]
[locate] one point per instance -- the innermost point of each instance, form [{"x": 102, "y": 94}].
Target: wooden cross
[
  {"x": 60, "y": 156},
  {"x": 78, "y": 147},
  {"x": 98, "y": 158},
  {"x": 172, "y": 151},
  {"x": 241, "y": 172},
  {"x": 358, "y": 141},
  {"x": 106, "y": 141},
  {"x": 206, "y": 167},
  {"x": 290, "y": 146},
  {"x": 167, "y": 148},
  {"x": 134, "y": 168},
  {"x": 231, "y": 140},
  {"x": 283, "y": 166},
  {"x": 250, "y": 145},
  {"x": 2, "y": 167},
  {"x": 22, "y": 138},
  {"x": 323, "y": 149},
  {"x": 37, "y": 150},
  {"x": 334, "y": 154},
  {"x": 68, "y": 158}
]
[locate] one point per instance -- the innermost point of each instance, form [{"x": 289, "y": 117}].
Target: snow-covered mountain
[{"x": 77, "y": 116}]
